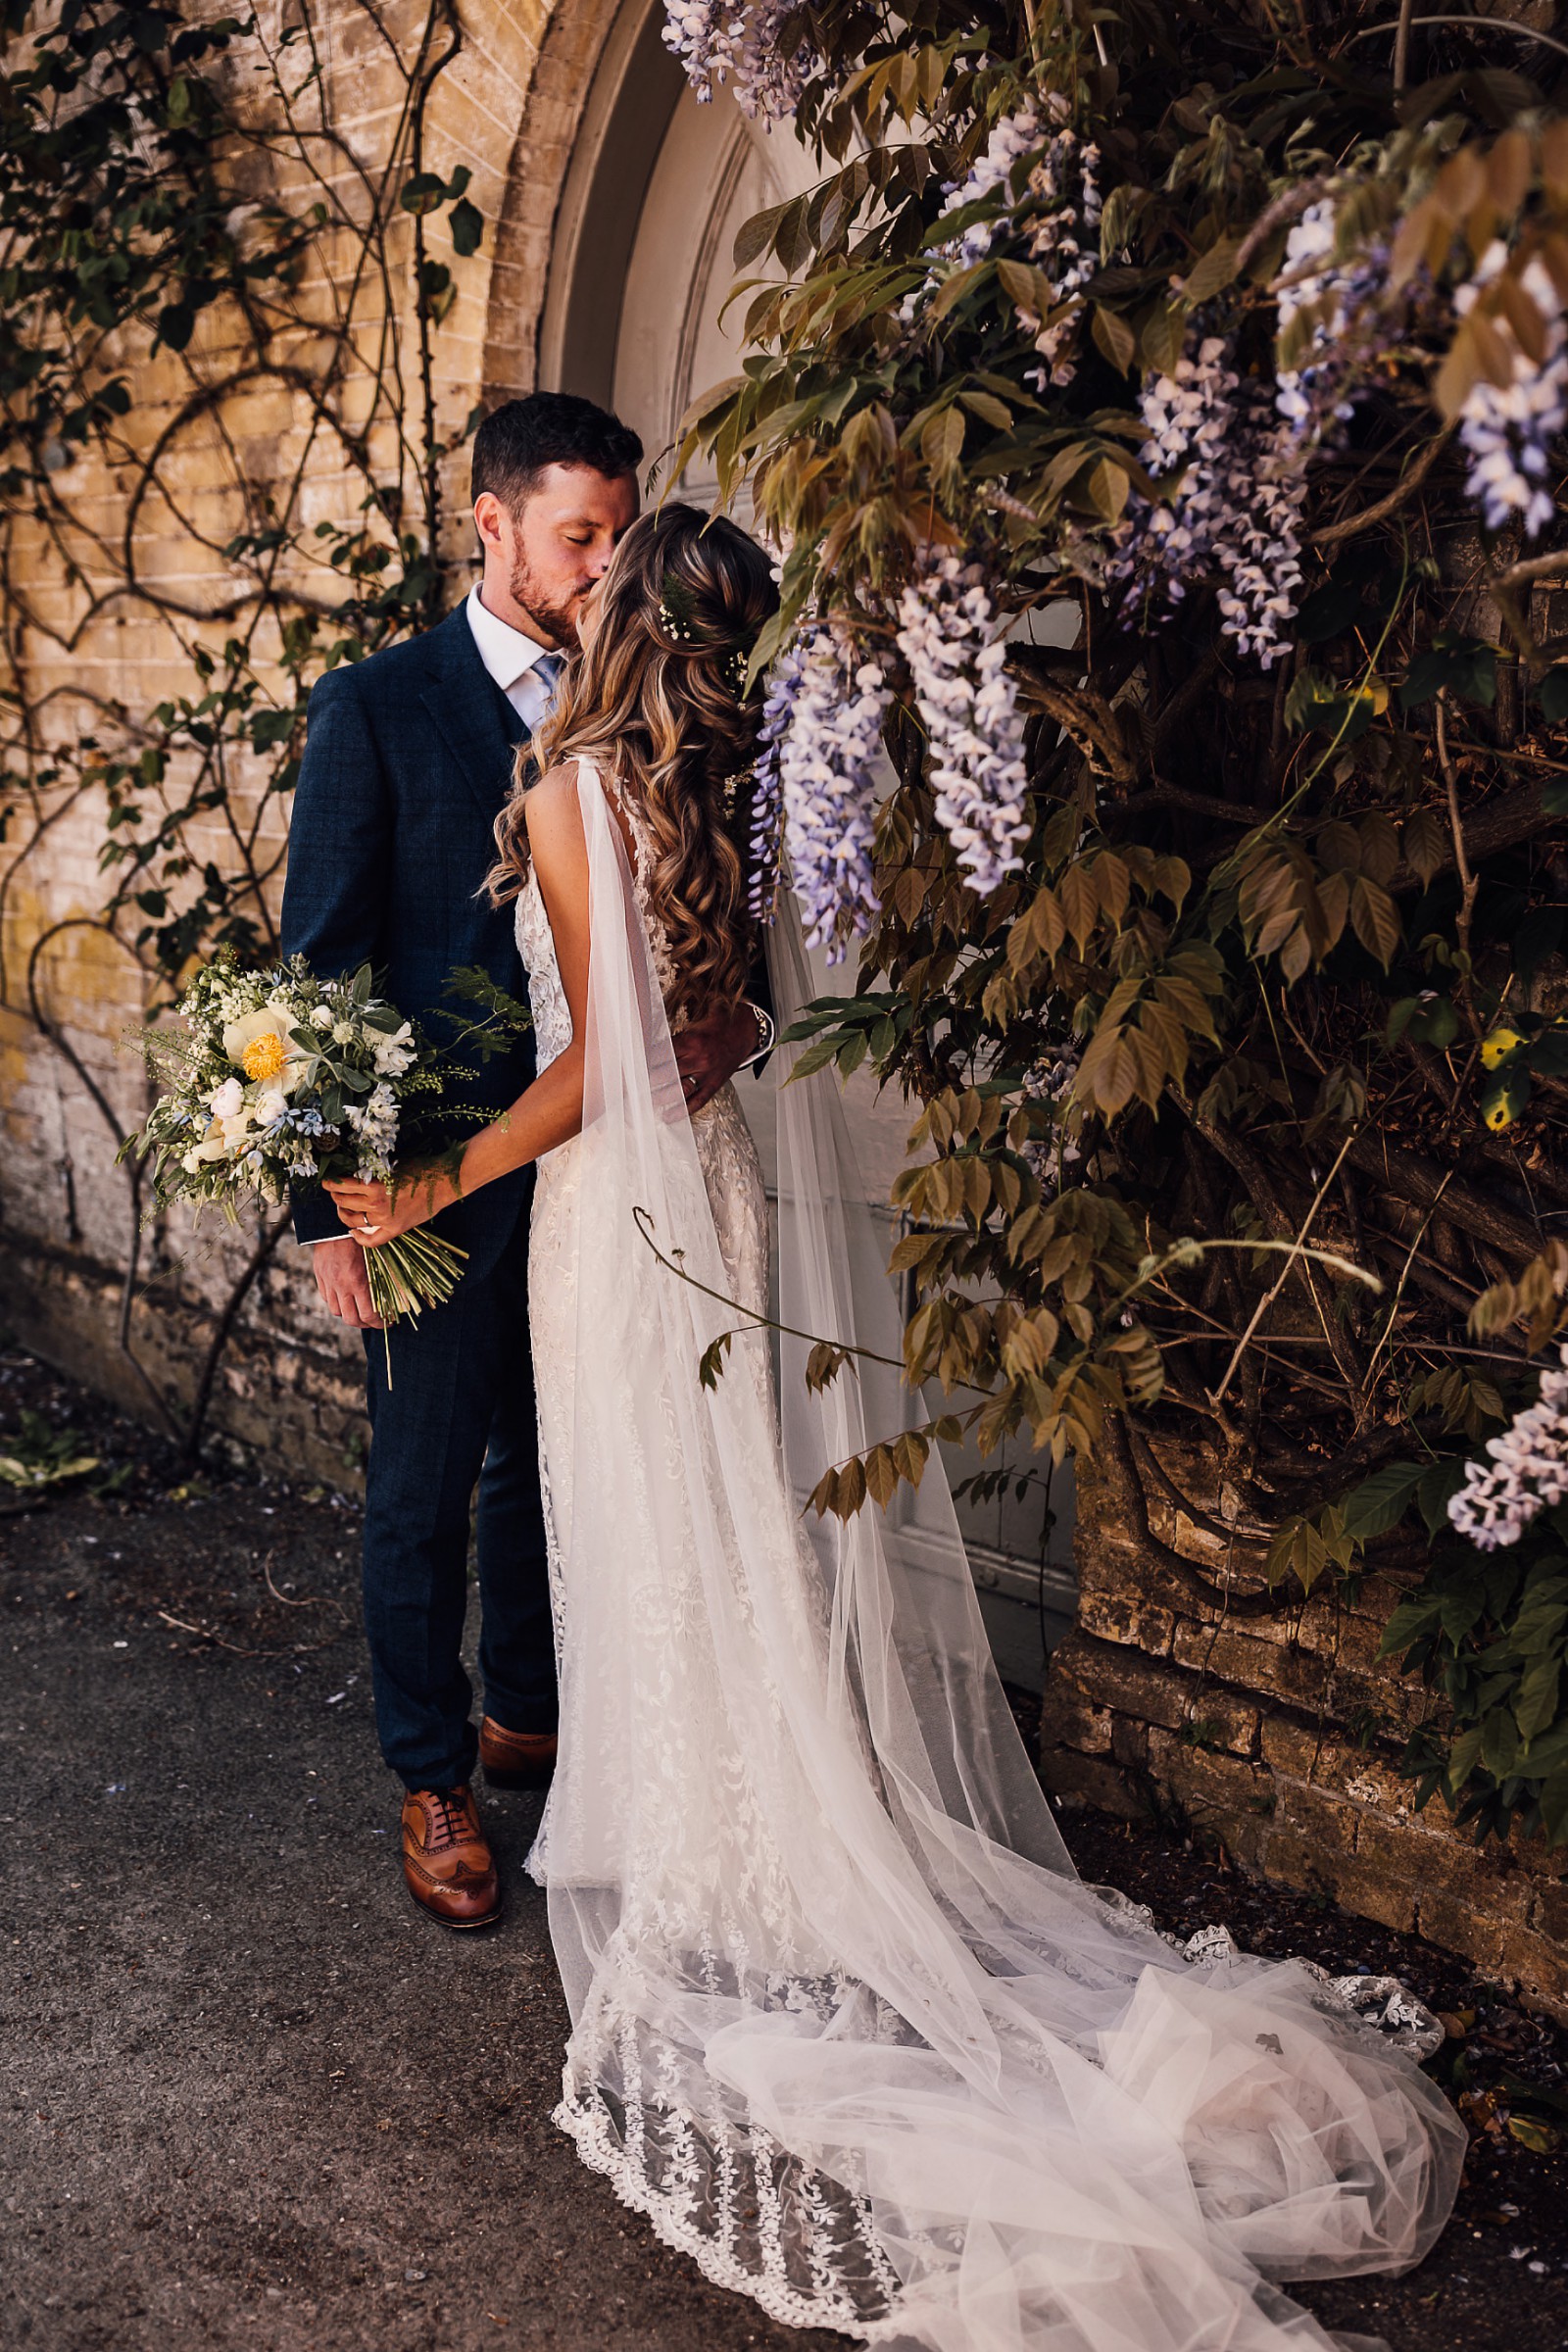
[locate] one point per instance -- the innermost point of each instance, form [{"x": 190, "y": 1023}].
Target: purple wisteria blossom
[
  {"x": 737, "y": 41},
  {"x": 1065, "y": 246},
  {"x": 1237, "y": 453},
  {"x": 1016, "y": 135},
  {"x": 822, "y": 734},
  {"x": 1060, "y": 206},
  {"x": 947, "y": 634},
  {"x": 1342, "y": 313},
  {"x": 1051, "y": 1081},
  {"x": 1508, "y": 431},
  {"x": 1235, "y": 506},
  {"x": 1528, "y": 1472}
]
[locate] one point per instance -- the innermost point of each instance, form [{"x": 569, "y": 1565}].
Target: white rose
[
  {"x": 270, "y": 1104},
  {"x": 225, "y": 1101},
  {"x": 191, "y": 1162},
  {"x": 321, "y": 1017}
]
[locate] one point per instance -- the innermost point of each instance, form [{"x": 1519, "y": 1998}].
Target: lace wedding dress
[{"x": 845, "y": 2025}]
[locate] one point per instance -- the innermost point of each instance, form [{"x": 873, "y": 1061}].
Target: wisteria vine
[
  {"x": 739, "y": 42},
  {"x": 1529, "y": 1471},
  {"x": 816, "y": 785}
]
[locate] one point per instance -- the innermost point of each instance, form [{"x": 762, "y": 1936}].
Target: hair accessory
[
  {"x": 676, "y": 612},
  {"x": 679, "y": 618}
]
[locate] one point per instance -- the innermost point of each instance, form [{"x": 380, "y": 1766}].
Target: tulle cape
[{"x": 847, "y": 2025}]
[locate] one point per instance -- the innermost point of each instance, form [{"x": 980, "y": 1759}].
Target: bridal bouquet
[{"x": 274, "y": 1078}]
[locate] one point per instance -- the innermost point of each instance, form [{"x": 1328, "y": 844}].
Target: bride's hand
[{"x": 374, "y": 1212}]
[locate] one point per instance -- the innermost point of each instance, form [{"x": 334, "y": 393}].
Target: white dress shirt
[{"x": 512, "y": 659}]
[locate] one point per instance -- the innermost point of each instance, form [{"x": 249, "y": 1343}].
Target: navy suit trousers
[{"x": 459, "y": 1408}]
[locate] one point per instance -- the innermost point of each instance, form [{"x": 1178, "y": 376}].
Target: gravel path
[{"x": 253, "y": 2099}]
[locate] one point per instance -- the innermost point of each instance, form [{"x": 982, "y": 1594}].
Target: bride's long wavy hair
[{"x": 653, "y": 701}]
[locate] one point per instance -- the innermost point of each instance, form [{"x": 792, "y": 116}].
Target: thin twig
[
  {"x": 1398, "y": 1292},
  {"x": 1273, "y": 1292},
  {"x": 295, "y": 1649},
  {"x": 1467, "y": 880}
]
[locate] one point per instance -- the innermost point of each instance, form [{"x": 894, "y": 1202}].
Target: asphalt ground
[{"x": 253, "y": 2098}]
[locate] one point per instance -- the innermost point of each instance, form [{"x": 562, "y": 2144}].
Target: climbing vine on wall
[
  {"x": 181, "y": 214},
  {"x": 1218, "y": 936}
]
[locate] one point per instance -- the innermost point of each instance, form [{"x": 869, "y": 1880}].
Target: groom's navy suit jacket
[{"x": 408, "y": 762}]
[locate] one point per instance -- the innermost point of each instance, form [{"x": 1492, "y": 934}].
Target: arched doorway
[{"x": 640, "y": 264}]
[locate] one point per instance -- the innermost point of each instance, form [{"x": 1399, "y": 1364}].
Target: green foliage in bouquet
[
  {"x": 273, "y": 1080},
  {"x": 1163, "y": 408}
]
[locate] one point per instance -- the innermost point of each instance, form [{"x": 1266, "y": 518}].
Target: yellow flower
[
  {"x": 1498, "y": 1046},
  {"x": 259, "y": 1045},
  {"x": 264, "y": 1057}
]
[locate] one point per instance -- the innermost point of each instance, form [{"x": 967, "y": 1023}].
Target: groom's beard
[{"x": 558, "y": 622}]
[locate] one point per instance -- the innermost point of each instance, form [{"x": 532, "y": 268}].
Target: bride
[{"x": 846, "y": 2024}]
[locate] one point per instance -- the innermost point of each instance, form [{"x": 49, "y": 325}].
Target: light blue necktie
[{"x": 547, "y": 669}]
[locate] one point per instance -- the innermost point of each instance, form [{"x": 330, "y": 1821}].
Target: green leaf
[
  {"x": 1438, "y": 1486},
  {"x": 422, "y": 193},
  {"x": 1114, "y": 337},
  {"x": 1552, "y": 695},
  {"x": 468, "y": 227},
  {"x": 1535, "y": 1709},
  {"x": 1376, "y": 919},
  {"x": 1381, "y": 1502},
  {"x": 1327, "y": 613},
  {"x": 755, "y": 236},
  {"x": 1211, "y": 273},
  {"x": 1540, "y": 2139},
  {"x": 1466, "y": 665},
  {"x": 1159, "y": 343},
  {"x": 990, "y": 409},
  {"x": 176, "y": 323}
]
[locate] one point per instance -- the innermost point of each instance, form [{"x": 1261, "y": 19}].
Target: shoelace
[{"x": 452, "y": 1819}]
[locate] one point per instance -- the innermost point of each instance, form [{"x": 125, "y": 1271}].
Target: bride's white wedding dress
[{"x": 845, "y": 2025}]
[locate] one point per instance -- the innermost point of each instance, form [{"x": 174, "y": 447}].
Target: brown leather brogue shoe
[
  {"x": 446, "y": 1862},
  {"x": 515, "y": 1759}
]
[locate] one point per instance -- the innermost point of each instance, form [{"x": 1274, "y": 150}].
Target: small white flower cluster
[
  {"x": 374, "y": 1126},
  {"x": 1064, "y": 245},
  {"x": 822, "y": 734},
  {"x": 1236, "y": 506},
  {"x": 949, "y": 636},
  {"x": 1508, "y": 431},
  {"x": 1529, "y": 1472},
  {"x": 738, "y": 41}
]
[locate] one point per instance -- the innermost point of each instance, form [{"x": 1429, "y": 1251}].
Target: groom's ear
[{"x": 490, "y": 519}]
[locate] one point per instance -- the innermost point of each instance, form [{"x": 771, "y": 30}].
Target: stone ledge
[
  {"x": 279, "y": 1398},
  {"x": 1280, "y": 1737}
]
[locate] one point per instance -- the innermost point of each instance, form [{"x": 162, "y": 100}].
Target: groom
[{"x": 407, "y": 765}]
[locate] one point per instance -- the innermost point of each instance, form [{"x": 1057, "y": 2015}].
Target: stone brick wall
[
  {"x": 100, "y": 623},
  {"x": 1184, "y": 1688}
]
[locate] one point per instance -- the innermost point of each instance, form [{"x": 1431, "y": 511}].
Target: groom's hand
[
  {"x": 344, "y": 1285},
  {"x": 711, "y": 1051}
]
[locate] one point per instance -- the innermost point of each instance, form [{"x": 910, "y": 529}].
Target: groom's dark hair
[{"x": 516, "y": 442}]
